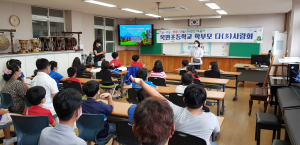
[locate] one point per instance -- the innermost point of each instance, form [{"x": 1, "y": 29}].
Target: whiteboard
[{"x": 209, "y": 49}]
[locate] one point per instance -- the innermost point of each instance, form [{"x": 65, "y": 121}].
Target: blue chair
[
  {"x": 6, "y": 100},
  {"x": 29, "y": 133},
  {"x": 88, "y": 127}
]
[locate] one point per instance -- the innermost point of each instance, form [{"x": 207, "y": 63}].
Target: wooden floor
[{"x": 238, "y": 128}]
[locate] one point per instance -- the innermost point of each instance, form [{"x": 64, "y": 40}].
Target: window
[
  {"x": 47, "y": 22},
  {"x": 105, "y": 31}
]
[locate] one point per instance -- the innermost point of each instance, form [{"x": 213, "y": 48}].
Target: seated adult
[
  {"x": 19, "y": 63},
  {"x": 54, "y": 74},
  {"x": 14, "y": 87},
  {"x": 80, "y": 67},
  {"x": 153, "y": 122},
  {"x": 191, "y": 119},
  {"x": 43, "y": 79},
  {"x": 67, "y": 104}
]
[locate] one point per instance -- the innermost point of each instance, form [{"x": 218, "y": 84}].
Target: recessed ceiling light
[
  {"x": 131, "y": 10},
  {"x": 222, "y": 12},
  {"x": 152, "y": 15},
  {"x": 100, "y": 3},
  {"x": 212, "y": 5}
]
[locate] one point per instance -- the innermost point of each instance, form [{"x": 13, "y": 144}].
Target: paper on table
[
  {"x": 96, "y": 70},
  {"x": 277, "y": 78}
]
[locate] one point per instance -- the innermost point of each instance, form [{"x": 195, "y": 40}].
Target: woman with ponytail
[
  {"x": 158, "y": 70},
  {"x": 191, "y": 69},
  {"x": 18, "y": 63},
  {"x": 14, "y": 87}
]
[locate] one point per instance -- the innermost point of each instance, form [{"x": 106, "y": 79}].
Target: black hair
[
  {"x": 101, "y": 56},
  {"x": 215, "y": 67},
  {"x": 193, "y": 70},
  {"x": 13, "y": 68},
  {"x": 197, "y": 42},
  {"x": 97, "y": 41},
  {"x": 141, "y": 73},
  {"x": 187, "y": 79},
  {"x": 42, "y": 63},
  {"x": 195, "y": 96},
  {"x": 90, "y": 88},
  {"x": 16, "y": 61},
  {"x": 213, "y": 62},
  {"x": 53, "y": 64},
  {"x": 71, "y": 71},
  {"x": 158, "y": 66},
  {"x": 142, "y": 94},
  {"x": 135, "y": 58},
  {"x": 104, "y": 64},
  {"x": 34, "y": 73},
  {"x": 115, "y": 55},
  {"x": 35, "y": 95},
  {"x": 185, "y": 63},
  {"x": 66, "y": 102},
  {"x": 76, "y": 62}
]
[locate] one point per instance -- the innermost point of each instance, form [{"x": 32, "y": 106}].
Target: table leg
[
  {"x": 122, "y": 85},
  {"x": 275, "y": 107},
  {"x": 218, "y": 107},
  {"x": 236, "y": 85},
  {"x": 223, "y": 106}
]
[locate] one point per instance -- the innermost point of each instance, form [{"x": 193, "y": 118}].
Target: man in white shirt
[
  {"x": 43, "y": 79},
  {"x": 186, "y": 79},
  {"x": 191, "y": 119}
]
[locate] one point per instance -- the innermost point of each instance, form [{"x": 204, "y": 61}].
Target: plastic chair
[
  {"x": 125, "y": 134},
  {"x": 157, "y": 81},
  {"x": 179, "y": 138},
  {"x": 182, "y": 72},
  {"x": 72, "y": 84},
  {"x": 29, "y": 133},
  {"x": 88, "y": 127},
  {"x": 106, "y": 79},
  {"x": 177, "y": 99},
  {"x": 6, "y": 100},
  {"x": 27, "y": 103},
  {"x": 132, "y": 94}
]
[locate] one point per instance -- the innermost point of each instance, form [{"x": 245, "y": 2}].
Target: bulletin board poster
[{"x": 246, "y": 35}]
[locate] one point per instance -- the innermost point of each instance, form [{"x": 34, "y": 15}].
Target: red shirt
[
  {"x": 74, "y": 79},
  {"x": 194, "y": 76},
  {"x": 115, "y": 63},
  {"x": 138, "y": 64},
  {"x": 39, "y": 111}
]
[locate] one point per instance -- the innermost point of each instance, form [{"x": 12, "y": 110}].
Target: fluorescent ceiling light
[
  {"x": 100, "y": 3},
  {"x": 222, "y": 12},
  {"x": 131, "y": 10},
  {"x": 199, "y": 17},
  {"x": 152, "y": 15},
  {"x": 212, "y": 5}
]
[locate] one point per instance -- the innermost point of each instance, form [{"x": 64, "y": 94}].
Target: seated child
[
  {"x": 36, "y": 97},
  {"x": 142, "y": 73},
  {"x": 191, "y": 69},
  {"x": 136, "y": 61},
  {"x": 185, "y": 63},
  {"x": 72, "y": 71},
  {"x": 91, "y": 106},
  {"x": 141, "y": 95},
  {"x": 54, "y": 74},
  {"x": 115, "y": 63},
  {"x": 158, "y": 70},
  {"x": 5, "y": 119},
  {"x": 214, "y": 66},
  {"x": 101, "y": 57},
  {"x": 104, "y": 70}
]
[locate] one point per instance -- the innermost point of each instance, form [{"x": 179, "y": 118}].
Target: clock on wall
[{"x": 14, "y": 20}]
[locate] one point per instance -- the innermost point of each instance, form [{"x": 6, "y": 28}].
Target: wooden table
[
  {"x": 82, "y": 80},
  {"x": 205, "y": 80},
  {"x": 212, "y": 95},
  {"x": 121, "y": 109}
]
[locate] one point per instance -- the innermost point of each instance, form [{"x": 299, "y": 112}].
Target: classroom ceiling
[{"x": 195, "y": 7}]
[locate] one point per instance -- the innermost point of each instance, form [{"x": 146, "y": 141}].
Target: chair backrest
[
  {"x": 72, "y": 84},
  {"x": 89, "y": 125},
  {"x": 29, "y": 128},
  {"x": 177, "y": 99},
  {"x": 196, "y": 81},
  {"x": 6, "y": 100},
  {"x": 179, "y": 138},
  {"x": 157, "y": 81},
  {"x": 27, "y": 103},
  {"x": 212, "y": 74},
  {"x": 132, "y": 94},
  {"x": 182, "y": 72},
  {"x": 106, "y": 78},
  {"x": 125, "y": 134}
]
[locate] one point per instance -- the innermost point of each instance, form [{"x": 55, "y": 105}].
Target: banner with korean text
[{"x": 247, "y": 35}]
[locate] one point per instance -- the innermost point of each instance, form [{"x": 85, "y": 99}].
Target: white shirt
[
  {"x": 44, "y": 80},
  {"x": 180, "y": 89},
  {"x": 201, "y": 126},
  {"x": 198, "y": 52}
]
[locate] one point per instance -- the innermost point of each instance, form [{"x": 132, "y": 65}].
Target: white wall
[
  {"x": 270, "y": 22},
  {"x": 294, "y": 47},
  {"x": 24, "y": 30}
]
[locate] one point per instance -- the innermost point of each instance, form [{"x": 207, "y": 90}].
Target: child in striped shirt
[{"x": 158, "y": 70}]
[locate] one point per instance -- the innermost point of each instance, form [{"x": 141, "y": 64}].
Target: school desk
[
  {"x": 120, "y": 109},
  {"x": 226, "y": 74},
  {"x": 82, "y": 80},
  {"x": 212, "y": 95}
]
